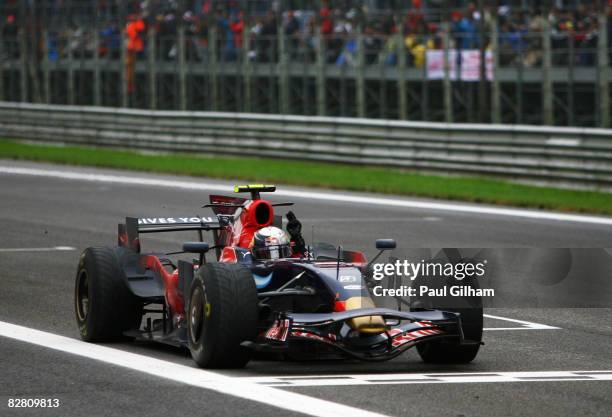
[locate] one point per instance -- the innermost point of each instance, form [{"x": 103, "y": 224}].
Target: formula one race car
[{"x": 266, "y": 291}]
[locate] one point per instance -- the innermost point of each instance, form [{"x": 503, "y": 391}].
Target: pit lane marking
[
  {"x": 51, "y": 249},
  {"x": 525, "y": 325},
  {"x": 234, "y": 386},
  {"x": 310, "y": 195},
  {"x": 430, "y": 378}
]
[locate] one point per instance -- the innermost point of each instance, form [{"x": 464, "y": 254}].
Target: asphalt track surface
[{"x": 38, "y": 211}]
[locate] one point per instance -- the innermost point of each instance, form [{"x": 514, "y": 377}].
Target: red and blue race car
[{"x": 265, "y": 291}]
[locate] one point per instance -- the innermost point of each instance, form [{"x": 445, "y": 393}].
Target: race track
[{"x": 535, "y": 362}]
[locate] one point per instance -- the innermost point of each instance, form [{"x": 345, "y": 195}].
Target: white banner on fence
[{"x": 469, "y": 64}]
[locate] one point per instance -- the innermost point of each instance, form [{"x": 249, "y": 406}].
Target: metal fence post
[
  {"x": 70, "y": 72},
  {"x": 123, "y": 85},
  {"x": 45, "y": 66},
  {"x": 283, "y": 72},
  {"x": 23, "y": 55},
  {"x": 495, "y": 89},
  {"x": 518, "y": 90},
  {"x": 151, "y": 51},
  {"x": 424, "y": 99},
  {"x": 360, "y": 84},
  {"x": 401, "y": 77},
  {"x": 246, "y": 71},
  {"x": 214, "y": 70},
  {"x": 23, "y": 52},
  {"x": 320, "y": 74},
  {"x": 182, "y": 76},
  {"x": 97, "y": 99},
  {"x": 447, "y": 86},
  {"x": 570, "y": 82},
  {"x": 547, "y": 86},
  {"x": 602, "y": 70},
  {"x": 2, "y": 63},
  {"x": 482, "y": 78}
]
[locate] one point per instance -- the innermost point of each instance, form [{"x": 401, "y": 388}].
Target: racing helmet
[{"x": 270, "y": 243}]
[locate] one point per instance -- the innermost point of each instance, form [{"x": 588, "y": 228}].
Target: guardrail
[{"x": 569, "y": 157}]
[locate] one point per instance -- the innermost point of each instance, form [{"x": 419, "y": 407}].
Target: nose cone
[{"x": 367, "y": 324}]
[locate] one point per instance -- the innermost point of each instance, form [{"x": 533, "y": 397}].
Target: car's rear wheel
[
  {"x": 222, "y": 313},
  {"x": 104, "y": 306}
]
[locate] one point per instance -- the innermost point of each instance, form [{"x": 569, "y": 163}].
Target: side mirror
[
  {"x": 196, "y": 247},
  {"x": 383, "y": 244}
]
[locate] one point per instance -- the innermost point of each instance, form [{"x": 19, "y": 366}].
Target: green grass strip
[{"x": 326, "y": 175}]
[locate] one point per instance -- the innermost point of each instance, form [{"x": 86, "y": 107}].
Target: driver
[
  {"x": 270, "y": 243},
  {"x": 273, "y": 243}
]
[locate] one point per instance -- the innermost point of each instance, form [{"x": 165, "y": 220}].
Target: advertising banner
[{"x": 468, "y": 63}]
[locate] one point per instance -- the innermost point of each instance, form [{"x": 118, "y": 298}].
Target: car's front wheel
[
  {"x": 451, "y": 350},
  {"x": 222, "y": 313}
]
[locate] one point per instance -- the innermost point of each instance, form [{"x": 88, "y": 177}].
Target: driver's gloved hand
[{"x": 294, "y": 228}]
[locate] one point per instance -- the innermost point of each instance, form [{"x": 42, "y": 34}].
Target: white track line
[
  {"x": 54, "y": 248},
  {"x": 429, "y": 378},
  {"x": 527, "y": 325},
  {"x": 311, "y": 195},
  {"x": 236, "y": 387}
]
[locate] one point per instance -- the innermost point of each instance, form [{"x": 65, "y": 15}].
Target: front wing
[{"x": 404, "y": 330}]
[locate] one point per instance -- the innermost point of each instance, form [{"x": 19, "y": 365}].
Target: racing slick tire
[
  {"x": 104, "y": 306},
  {"x": 445, "y": 351},
  {"x": 222, "y": 313},
  {"x": 451, "y": 351}
]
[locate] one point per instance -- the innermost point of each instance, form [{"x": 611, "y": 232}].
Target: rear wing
[
  {"x": 175, "y": 224},
  {"x": 255, "y": 189},
  {"x": 128, "y": 233}
]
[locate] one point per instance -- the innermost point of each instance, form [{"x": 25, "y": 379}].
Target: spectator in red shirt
[
  {"x": 237, "y": 27},
  {"x": 327, "y": 25}
]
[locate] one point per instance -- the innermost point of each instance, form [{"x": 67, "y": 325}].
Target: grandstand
[{"x": 523, "y": 62}]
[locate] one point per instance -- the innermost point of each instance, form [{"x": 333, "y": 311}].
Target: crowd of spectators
[{"x": 385, "y": 34}]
